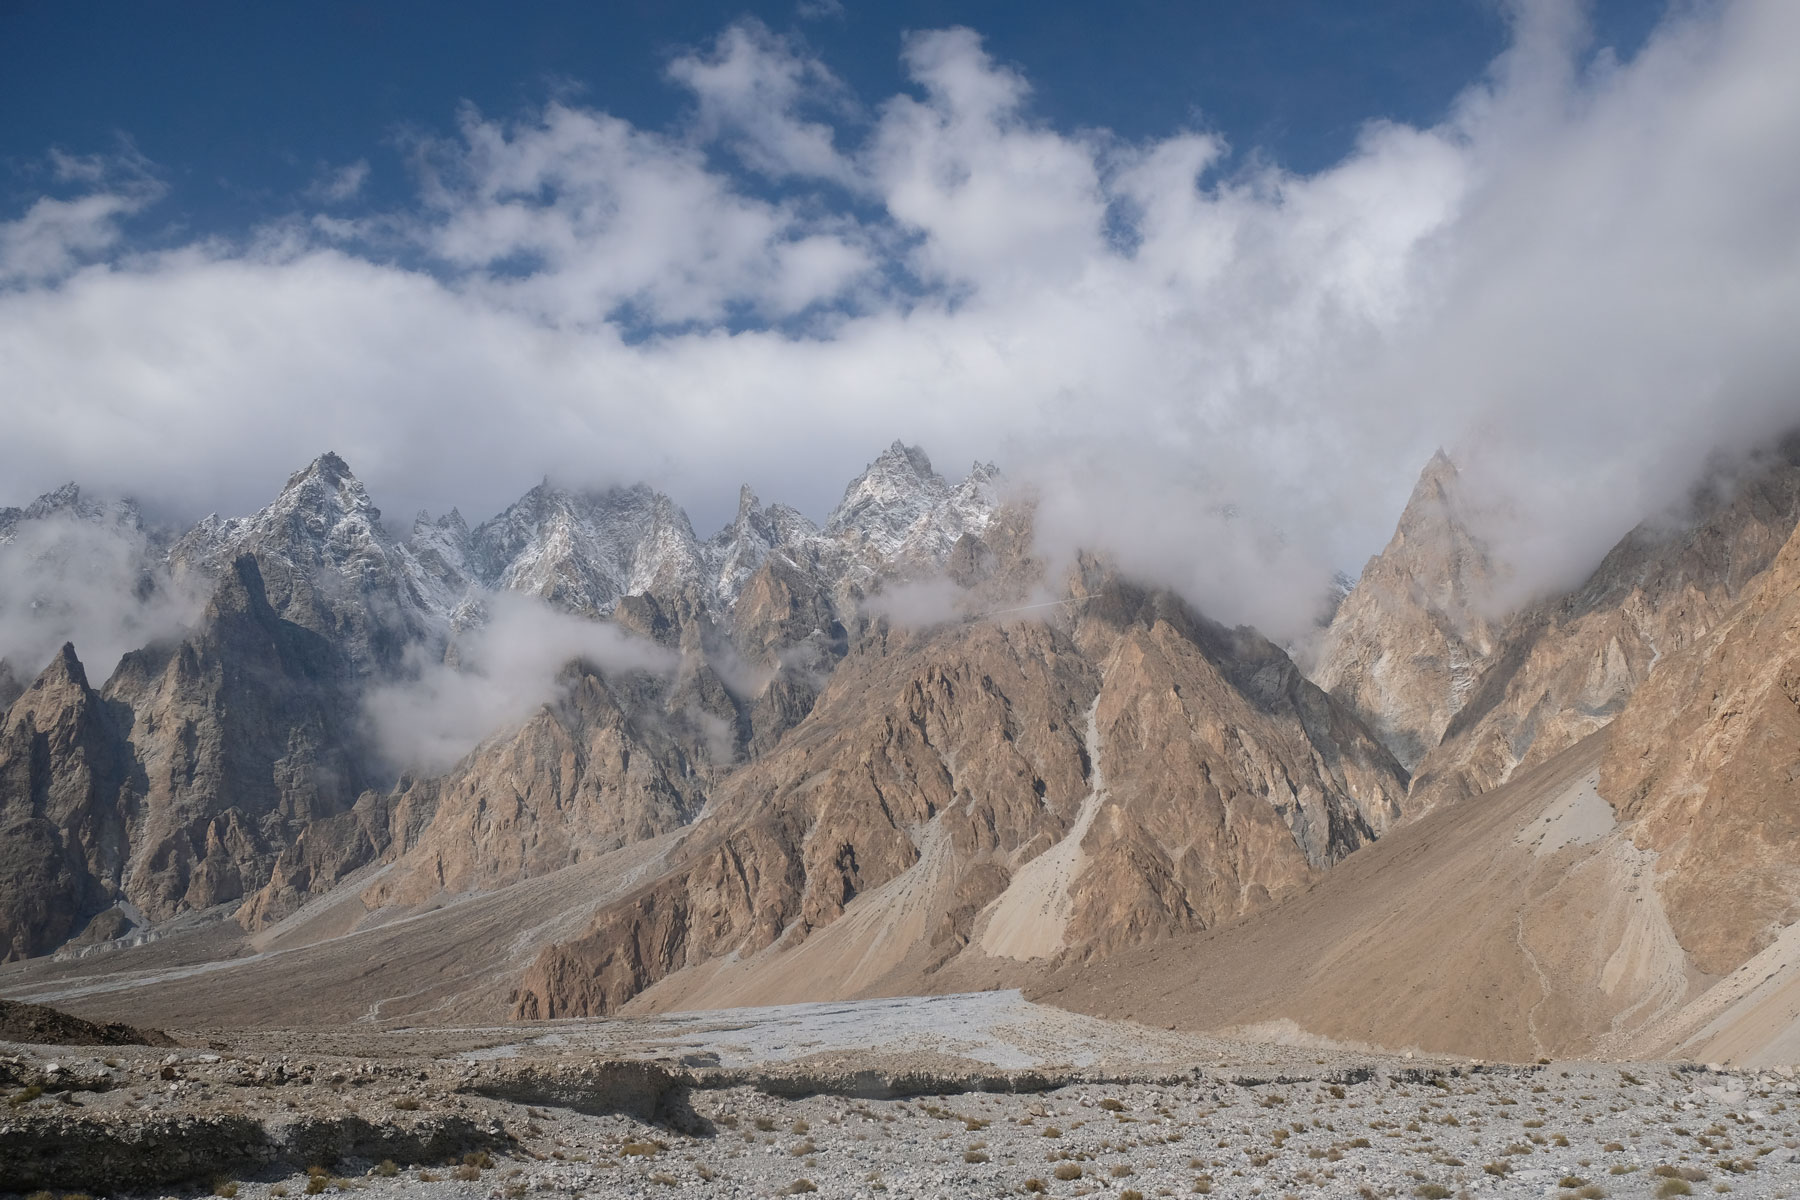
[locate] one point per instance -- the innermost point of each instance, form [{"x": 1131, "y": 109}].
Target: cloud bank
[
  {"x": 65, "y": 579},
  {"x": 1583, "y": 282},
  {"x": 502, "y": 671}
]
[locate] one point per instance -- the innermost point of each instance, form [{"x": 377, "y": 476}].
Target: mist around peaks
[{"x": 1579, "y": 280}]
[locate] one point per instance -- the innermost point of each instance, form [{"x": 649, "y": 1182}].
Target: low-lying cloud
[
  {"x": 1582, "y": 282},
  {"x": 65, "y": 579},
  {"x": 503, "y": 670}
]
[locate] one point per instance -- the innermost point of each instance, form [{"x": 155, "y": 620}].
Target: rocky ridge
[
  {"x": 831, "y": 802},
  {"x": 1465, "y": 695},
  {"x": 1410, "y": 637},
  {"x": 893, "y": 823},
  {"x": 236, "y": 772}
]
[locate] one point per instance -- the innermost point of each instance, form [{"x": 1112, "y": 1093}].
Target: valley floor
[{"x": 972, "y": 1095}]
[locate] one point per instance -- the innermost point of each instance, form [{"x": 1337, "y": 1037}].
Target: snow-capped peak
[
  {"x": 71, "y": 503},
  {"x": 586, "y": 550},
  {"x": 888, "y": 498},
  {"x": 322, "y": 518},
  {"x": 901, "y": 509},
  {"x": 736, "y": 552}
]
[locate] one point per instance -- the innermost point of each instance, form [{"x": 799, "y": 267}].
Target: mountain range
[{"x": 903, "y": 751}]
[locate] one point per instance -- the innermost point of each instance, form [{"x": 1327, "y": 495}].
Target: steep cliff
[{"x": 1409, "y": 640}]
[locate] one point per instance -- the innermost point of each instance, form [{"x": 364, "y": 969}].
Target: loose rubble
[{"x": 454, "y": 1114}]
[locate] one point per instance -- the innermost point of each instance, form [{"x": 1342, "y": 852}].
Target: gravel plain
[{"x": 960, "y": 1096}]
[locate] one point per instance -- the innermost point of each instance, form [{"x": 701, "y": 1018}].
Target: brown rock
[
  {"x": 66, "y": 797},
  {"x": 935, "y": 765},
  {"x": 1567, "y": 666},
  {"x": 1704, "y": 763},
  {"x": 1406, "y": 645}
]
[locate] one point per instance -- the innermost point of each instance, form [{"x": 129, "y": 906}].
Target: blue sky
[
  {"x": 1213, "y": 279},
  {"x": 243, "y": 106}
]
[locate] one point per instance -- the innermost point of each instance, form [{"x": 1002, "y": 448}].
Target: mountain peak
[
  {"x": 891, "y": 493},
  {"x": 69, "y": 501},
  {"x": 1435, "y": 518},
  {"x": 63, "y": 499},
  {"x": 327, "y": 470},
  {"x": 903, "y": 458},
  {"x": 61, "y": 674},
  {"x": 67, "y": 665},
  {"x": 1421, "y": 603},
  {"x": 747, "y": 503}
]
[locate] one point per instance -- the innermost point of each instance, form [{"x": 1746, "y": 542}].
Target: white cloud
[
  {"x": 64, "y": 579},
  {"x": 916, "y": 604},
  {"x": 505, "y": 670},
  {"x": 341, "y": 184},
  {"x": 579, "y": 217},
  {"x": 751, "y": 90},
  {"x": 1582, "y": 282},
  {"x": 56, "y": 235}
]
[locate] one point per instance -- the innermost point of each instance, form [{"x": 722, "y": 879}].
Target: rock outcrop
[
  {"x": 1409, "y": 640},
  {"x": 1193, "y": 769},
  {"x": 330, "y": 566},
  {"x": 1704, "y": 764},
  {"x": 1567, "y": 666},
  {"x": 246, "y": 731},
  {"x": 177, "y": 785},
  {"x": 68, "y": 793},
  {"x": 585, "y": 775}
]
